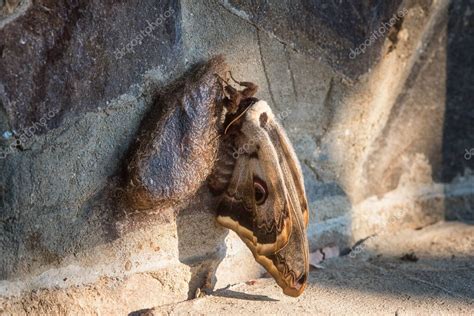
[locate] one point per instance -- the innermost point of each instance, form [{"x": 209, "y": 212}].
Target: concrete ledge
[{"x": 374, "y": 282}]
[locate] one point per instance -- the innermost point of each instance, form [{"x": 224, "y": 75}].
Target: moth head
[{"x": 235, "y": 119}]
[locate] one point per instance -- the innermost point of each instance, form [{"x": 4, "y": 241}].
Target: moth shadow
[
  {"x": 201, "y": 242},
  {"x": 242, "y": 296}
]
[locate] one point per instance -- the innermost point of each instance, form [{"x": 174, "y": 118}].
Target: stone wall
[{"x": 379, "y": 116}]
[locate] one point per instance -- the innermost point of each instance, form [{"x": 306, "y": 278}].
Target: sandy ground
[{"x": 435, "y": 277}]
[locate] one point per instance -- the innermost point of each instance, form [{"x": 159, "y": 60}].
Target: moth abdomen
[{"x": 223, "y": 169}]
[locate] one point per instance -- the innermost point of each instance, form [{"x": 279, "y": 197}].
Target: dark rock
[
  {"x": 458, "y": 127},
  {"x": 176, "y": 148},
  {"x": 411, "y": 257},
  {"x": 327, "y": 29},
  {"x": 69, "y": 56}
]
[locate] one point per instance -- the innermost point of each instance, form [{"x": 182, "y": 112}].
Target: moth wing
[
  {"x": 266, "y": 226},
  {"x": 290, "y": 265},
  {"x": 291, "y": 169},
  {"x": 275, "y": 231},
  {"x": 273, "y": 216},
  {"x": 235, "y": 209}
]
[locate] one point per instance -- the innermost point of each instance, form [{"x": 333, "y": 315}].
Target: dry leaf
[{"x": 322, "y": 254}]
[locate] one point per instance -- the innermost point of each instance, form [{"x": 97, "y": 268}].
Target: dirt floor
[{"x": 425, "y": 271}]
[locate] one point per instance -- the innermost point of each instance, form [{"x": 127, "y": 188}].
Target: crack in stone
[
  {"x": 327, "y": 112},
  {"x": 418, "y": 280},
  {"x": 228, "y": 8},
  {"x": 292, "y": 76},
  {"x": 308, "y": 164},
  {"x": 264, "y": 67}
]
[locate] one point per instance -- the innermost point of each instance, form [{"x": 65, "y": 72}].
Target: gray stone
[
  {"x": 458, "y": 127},
  {"x": 70, "y": 56},
  {"x": 380, "y": 142},
  {"x": 326, "y": 30}
]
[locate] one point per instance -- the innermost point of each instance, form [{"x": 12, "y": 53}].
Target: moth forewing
[
  {"x": 292, "y": 168},
  {"x": 282, "y": 147},
  {"x": 235, "y": 210},
  {"x": 289, "y": 266},
  {"x": 293, "y": 257},
  {"x": 272, "y": 218},
  {"x": 263, "y": 200},
  {"x": 267, "y": 227}
]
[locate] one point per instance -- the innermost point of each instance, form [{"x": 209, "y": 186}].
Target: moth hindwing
[{"x": 260, "y": 184}]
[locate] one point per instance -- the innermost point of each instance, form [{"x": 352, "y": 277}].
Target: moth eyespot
[
  {"x": 260, "y": 191},
  {"x": 263, "y": 119}
]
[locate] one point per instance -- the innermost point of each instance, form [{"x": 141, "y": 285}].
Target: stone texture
[
  {"x": 372, "y": 281},
  {"x": 62, "y": 55},
  {"x": 310, "y": 27},
  {"x": 459, "y": 113},
  {"x": 381, "y": 144}
]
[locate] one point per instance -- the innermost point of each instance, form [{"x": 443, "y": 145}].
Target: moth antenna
[
  {"x": 232, "y": 77},
  {"x": 250, "y": 87},
  {"x": 222, "y": 81},
  {"x": 236, "y": 119}
]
